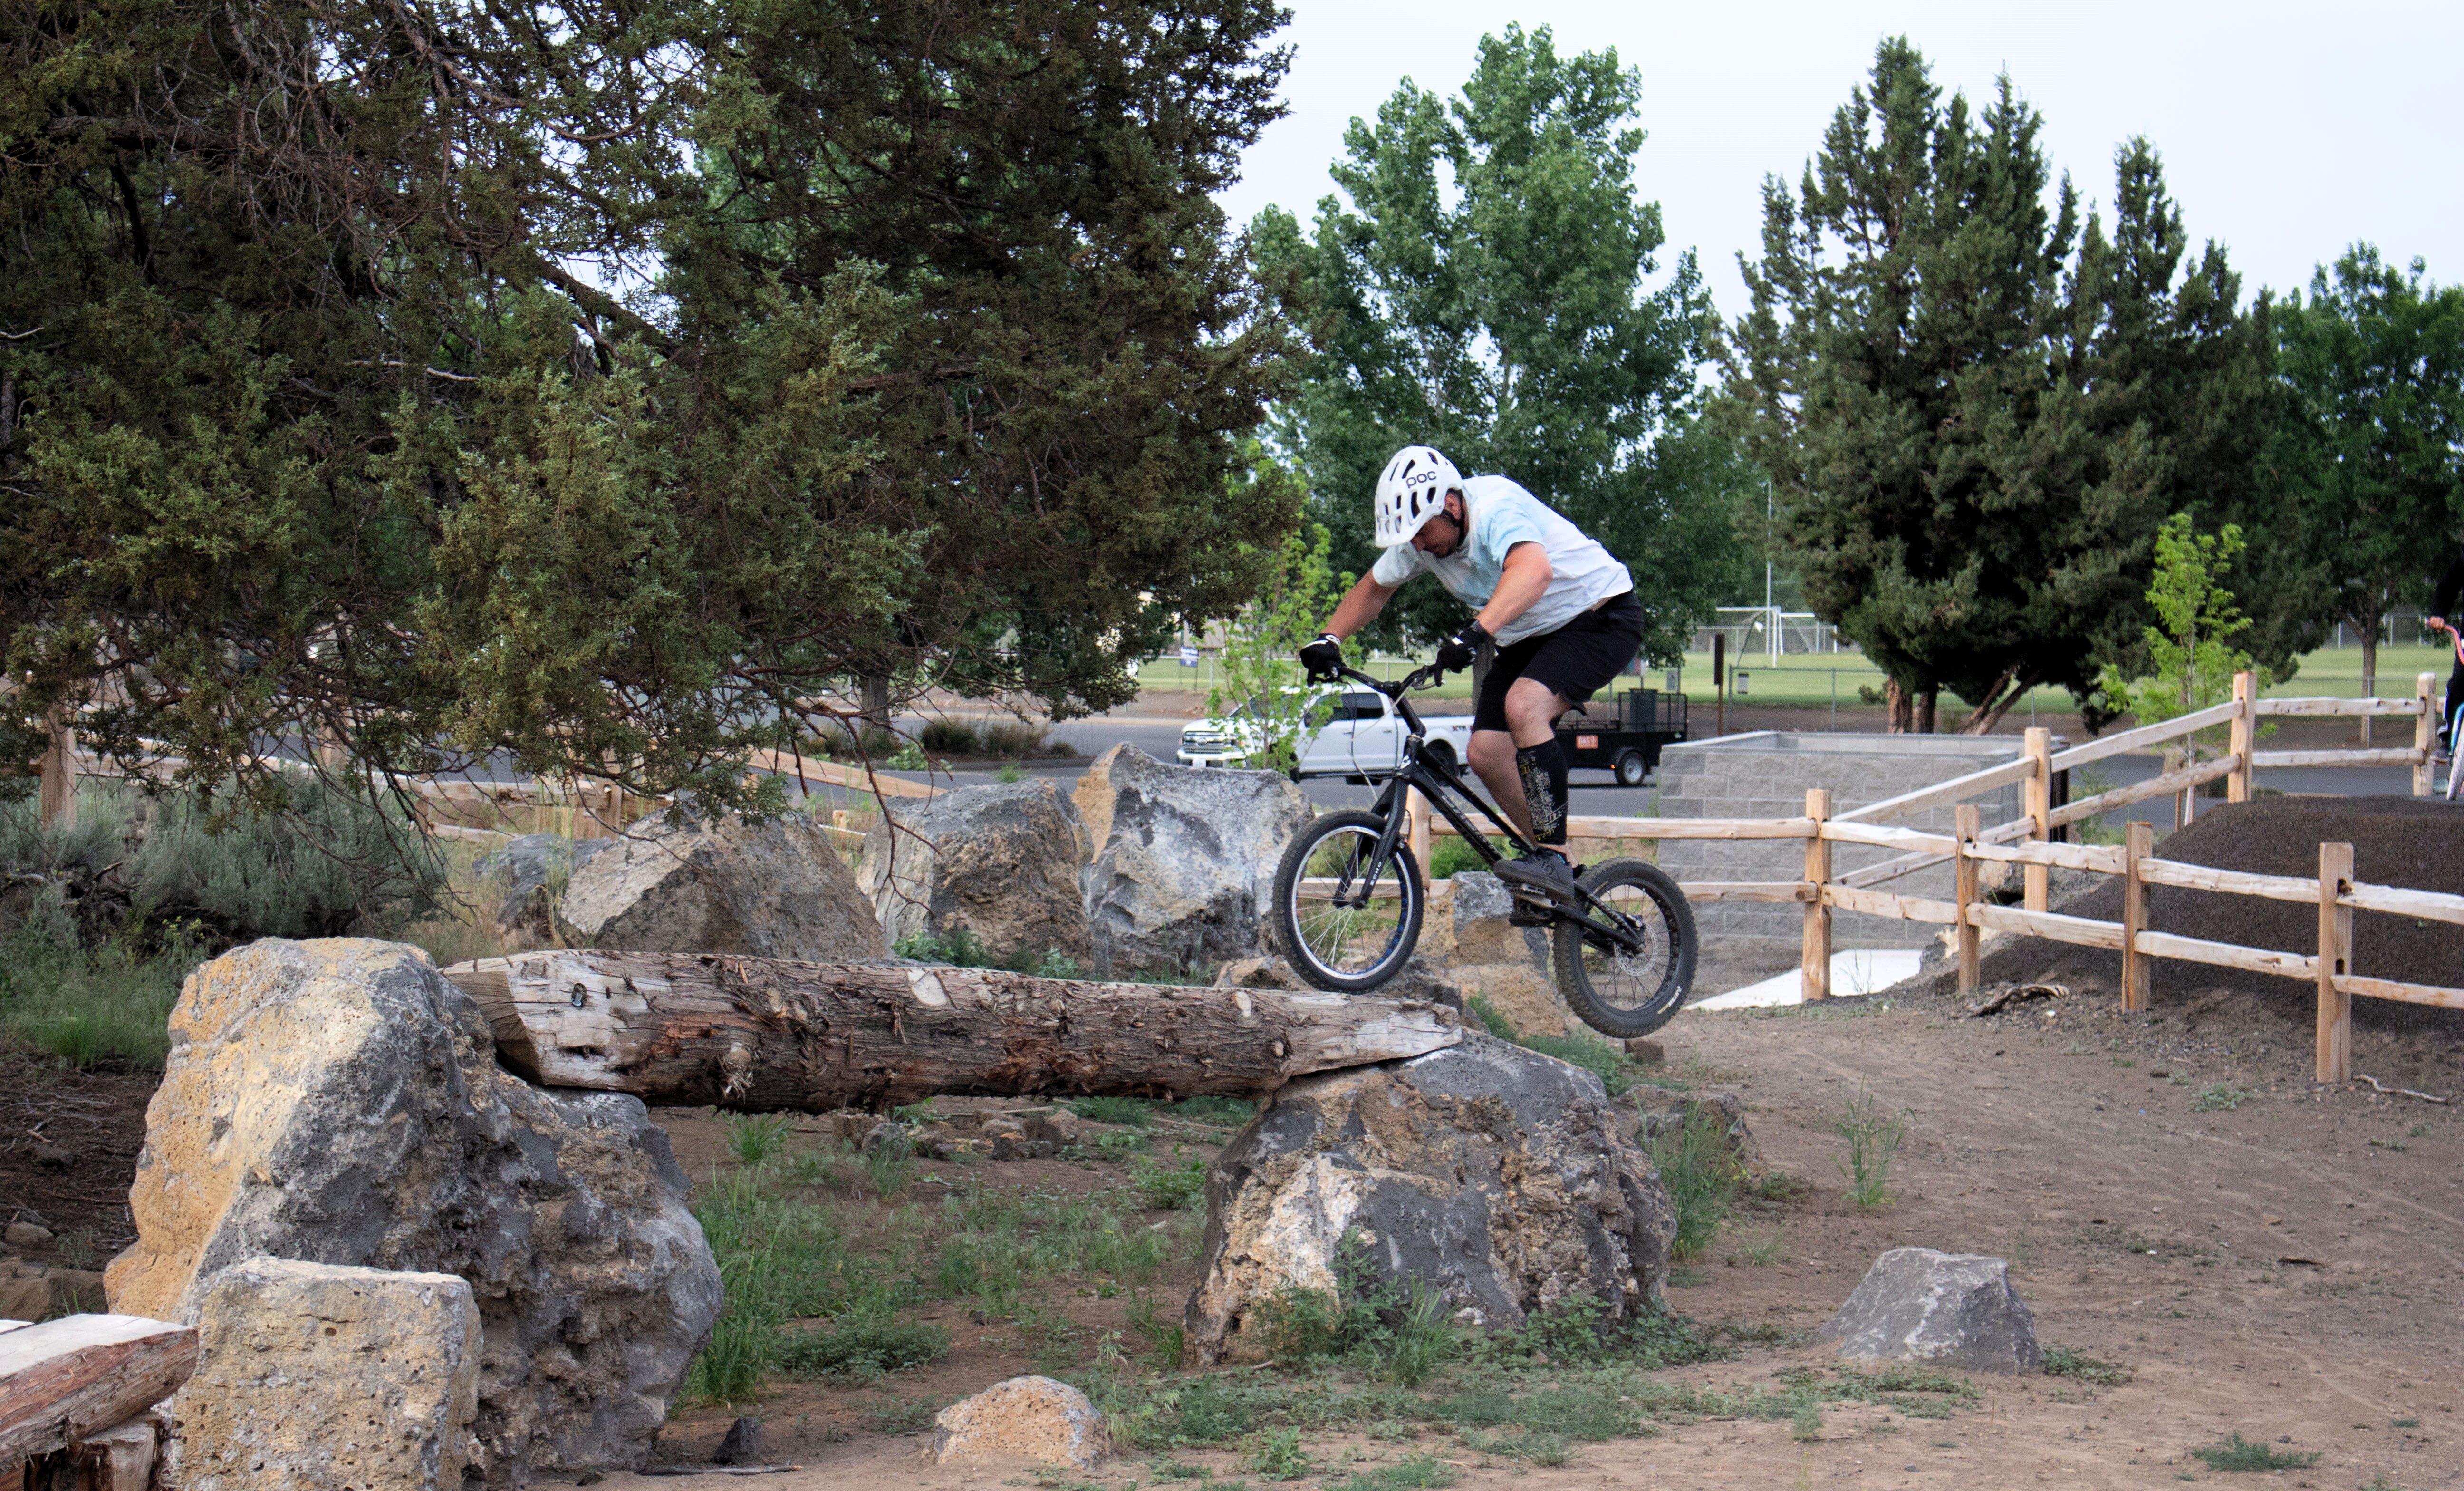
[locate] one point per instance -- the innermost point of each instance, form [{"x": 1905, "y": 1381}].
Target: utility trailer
[{"x": 1627, "y": 740}]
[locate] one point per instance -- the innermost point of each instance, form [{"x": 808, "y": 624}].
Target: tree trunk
[
  {"x": 876, "y": 700},
  {"x": 1998, "y": 701},
  {"x": 80, "y": 1375},
  {"x": 1895, "y": 701},
  {"x": 764, "y": 1035},
  {"x": 1925, "y": 703},
  {"x": 2369, "y": 663}
]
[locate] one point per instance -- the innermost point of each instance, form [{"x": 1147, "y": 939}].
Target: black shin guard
[{"x": 1543, "y": 789}]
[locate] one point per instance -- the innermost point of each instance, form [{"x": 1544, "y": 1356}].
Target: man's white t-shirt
[{"x": 1502, "y": 514}]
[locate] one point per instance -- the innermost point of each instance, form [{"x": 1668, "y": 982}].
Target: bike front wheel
[
  {"x": 1344, "y": 931},
  {"x": 1625, "y": 991}
]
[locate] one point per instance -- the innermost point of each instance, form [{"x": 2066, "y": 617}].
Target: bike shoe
[{"x": 1546, "y": 872}]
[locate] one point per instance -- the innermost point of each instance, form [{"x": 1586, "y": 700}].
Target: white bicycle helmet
[{"x": 1412, "y": 491}]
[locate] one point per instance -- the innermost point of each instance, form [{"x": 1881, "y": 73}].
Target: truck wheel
[{"x": 1630, "y": 769}]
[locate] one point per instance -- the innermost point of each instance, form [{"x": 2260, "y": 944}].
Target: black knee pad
[{"x": 1543, "y": 767}]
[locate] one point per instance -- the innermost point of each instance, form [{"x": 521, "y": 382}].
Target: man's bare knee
[{"x": 1532, "y": 708}]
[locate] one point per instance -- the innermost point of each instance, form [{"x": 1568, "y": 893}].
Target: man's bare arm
[
  {"x": 1523, "y": 581},
  {"x": 1360, "y": 607}
]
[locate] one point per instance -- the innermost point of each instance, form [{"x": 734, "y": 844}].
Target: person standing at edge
[
  {"x": 1559, "y": 607},
  {"x": 2443, "y": 605}
]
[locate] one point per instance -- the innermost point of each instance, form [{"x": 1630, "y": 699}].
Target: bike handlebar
[{"x": 1427, "y": 675}]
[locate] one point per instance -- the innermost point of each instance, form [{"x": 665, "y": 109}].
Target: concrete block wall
[{"x": 1765, "y": 774}]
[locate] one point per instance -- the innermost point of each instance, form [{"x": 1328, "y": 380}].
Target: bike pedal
[{"x": 1528, "y": 910}]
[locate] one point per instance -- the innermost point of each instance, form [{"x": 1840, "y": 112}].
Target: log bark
[
  {"x": 80, "y": 1375},
  {"x": 766, "y": 1035}
]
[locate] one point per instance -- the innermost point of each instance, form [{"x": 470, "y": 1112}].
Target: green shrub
[
  {"x": 1136, "y": 1112},
  {"x": 2240, "y": 1453},
  {"x": 755, "y": 1138},
  {"x": 862, "y": 1347},
  {"x": 1699, "y": 1169},
  {"x": 109, "y": 1003},
  {"x": 2063, "y": 1362},
  {"x": 949, "y": 738},
  {"x": 1451, "y": 855},
  {"x": 1174, "y": 1188},
  {"x": 1015, "y": 738},
  {"x": 324, "y": 863}
]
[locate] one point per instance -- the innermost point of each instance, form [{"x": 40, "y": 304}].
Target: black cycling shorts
[{"x": 1578, "y": 659}]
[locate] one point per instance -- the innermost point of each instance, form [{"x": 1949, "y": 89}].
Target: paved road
[{"x": 1597, "y": 794}]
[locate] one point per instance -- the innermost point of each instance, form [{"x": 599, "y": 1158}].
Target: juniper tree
[
  {"x": 604, "y": 383},
  {"x": 1974, "y": 408},
  {"x": 1510, "y": 323}
]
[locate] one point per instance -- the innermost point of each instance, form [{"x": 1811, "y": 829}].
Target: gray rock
[
  {"x": 1945, "y": 1310},
  {"x": 337, "y": 1101},
  {"x": 776, "y": 890},
  {"x": 1001, "y": 862},
  {"x": 530, "y": 866},
  {"x": 1185, "y": 860},
  {"x": 1501, "y": 1178},
  {"x": 321, "y": 1378},
  {"x": 1506, "y": 966}
]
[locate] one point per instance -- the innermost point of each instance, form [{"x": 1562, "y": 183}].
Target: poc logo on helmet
[{"x": 1412, "y": 491}]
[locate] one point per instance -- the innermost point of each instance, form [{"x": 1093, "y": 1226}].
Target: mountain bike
[{"x": 1349, "y": 898}]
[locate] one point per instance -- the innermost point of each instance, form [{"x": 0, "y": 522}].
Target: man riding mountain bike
[{"x": 1559, "y": 607}]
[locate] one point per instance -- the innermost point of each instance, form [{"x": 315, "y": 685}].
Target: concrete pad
[{"x": 1863, "y": 971}]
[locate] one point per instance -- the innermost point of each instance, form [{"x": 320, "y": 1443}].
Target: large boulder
[
  {"x": 1184, "y": 858},
  {"x": 1943, "y": 1309},
  {"x": 337, "y": 1101},
  {"x": 533, "y": 870},
  {"x": 317, "y": 1378},
  {"x": 774, "y": 889},
  {"x": 999, "y": 862},
  {"x": 1505, "y": 966},
  {"x": 1501, "y": 1178}
]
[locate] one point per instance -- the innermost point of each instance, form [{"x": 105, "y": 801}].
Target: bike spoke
[{"x": 1353, "y": 927}]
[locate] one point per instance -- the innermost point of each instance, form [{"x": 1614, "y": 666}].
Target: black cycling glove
[
  {"x": 1456, "y": 653},
  {"x": 1322, "y": 659}
]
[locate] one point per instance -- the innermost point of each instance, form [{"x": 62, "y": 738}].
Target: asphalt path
[{"x": 1597, "y": 794}]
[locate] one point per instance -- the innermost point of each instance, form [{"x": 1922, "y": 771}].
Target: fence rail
[{"x": 2030, "y": 842}]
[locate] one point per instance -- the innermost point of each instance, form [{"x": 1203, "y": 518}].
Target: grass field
[{"x": 1819, "y": 679}]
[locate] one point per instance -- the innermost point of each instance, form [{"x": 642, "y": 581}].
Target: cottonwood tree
[
  {"x": 2372, "y": 454},
  {"x": 603, "y": 383},
  {"x": 1482, "y": 282},
  {"x": 1976, "y": 409}
]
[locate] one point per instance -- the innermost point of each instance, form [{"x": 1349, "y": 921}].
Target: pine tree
[
  {"x": 927, "y": 355},
  {"x": 1511, "y": 327},
  {"x": 1975, "y": 410}
]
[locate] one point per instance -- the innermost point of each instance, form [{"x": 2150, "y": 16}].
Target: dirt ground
[{"x": 2287, "y": 1269}]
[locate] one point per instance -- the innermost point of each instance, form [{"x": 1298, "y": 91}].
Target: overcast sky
[{"x": 2288, "y": 131}]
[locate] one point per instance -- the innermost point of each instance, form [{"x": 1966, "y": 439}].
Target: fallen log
[
  {"x": 78, "y": 1375},
  {"x": 766, "y": 1035}
]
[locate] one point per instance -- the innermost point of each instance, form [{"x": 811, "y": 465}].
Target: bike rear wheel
[
  {"x": 1620, "y": 993},
  {"x": 1343, "y": 932}
]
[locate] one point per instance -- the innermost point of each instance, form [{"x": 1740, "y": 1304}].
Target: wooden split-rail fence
[{"x": 2035, "y": 842}]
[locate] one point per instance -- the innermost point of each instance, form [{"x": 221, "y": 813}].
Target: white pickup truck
[{"x": 1363, "y": 740}]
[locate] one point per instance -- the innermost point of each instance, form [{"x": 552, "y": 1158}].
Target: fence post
[
  {"x": 1815, "y": 970},
  {"x": 1417, "y": 807},
  {"x": 2138, "y": 842},
  {"x": 2422, "y": 737},
  {"x": 2245, "y": 732},
  {"x": 2039, "y": 745},
  {"x": 59, "y": 802},
  {"x": 1963, "y": 879},
  {"x": 2335, "y": 960}
]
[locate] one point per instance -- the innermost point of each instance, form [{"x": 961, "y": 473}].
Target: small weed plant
[
  {"x": 1699, "y": 1166},
  {"x": 1178, "y": 1186},
  {"x": 1134, "y": 1112},
  {"x": 2221, "y": 1098},
  {"x": 1872, "y": 1135},
  {"x": 1280, "y": 1456},
  {"x": 2240, "y": 1453},
  {"x": 756, "y": 1138},
  {"x": 2063, "y": 1362}
]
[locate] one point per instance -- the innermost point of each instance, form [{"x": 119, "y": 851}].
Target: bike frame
[{"x": 1440, "y": 784}]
